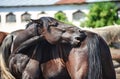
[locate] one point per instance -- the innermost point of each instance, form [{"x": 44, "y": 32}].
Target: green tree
[
  {"x": 102, "y": 14},
  {"x": 60, "y": 16}
]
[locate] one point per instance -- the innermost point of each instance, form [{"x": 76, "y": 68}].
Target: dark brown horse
[
  {"x": 49, "y": 31},
  {"x": 90, "y": 59}
]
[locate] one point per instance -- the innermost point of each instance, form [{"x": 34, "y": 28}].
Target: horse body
[{"x": 52, "y": 62}]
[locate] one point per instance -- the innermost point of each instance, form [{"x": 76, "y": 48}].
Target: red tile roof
[{"x": 70, "y": 2}]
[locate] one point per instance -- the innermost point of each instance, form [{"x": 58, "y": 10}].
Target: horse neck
[
  {"x": 31, "y": 31},
  {"x": 61, "y": 51}
]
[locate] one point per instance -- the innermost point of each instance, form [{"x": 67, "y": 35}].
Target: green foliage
[
  {"x": 101, "y": 14},
  {"x": 60, "y": 16},
  {"x": 118, "y": 21}
]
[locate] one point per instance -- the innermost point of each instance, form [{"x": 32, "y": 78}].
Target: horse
[
  {"x": 2, "y": 36},
  {"x": 89, "y": 59},
  {"x": 43, "y": 30}
]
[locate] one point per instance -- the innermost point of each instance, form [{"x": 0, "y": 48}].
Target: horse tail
[
  {"x": 94, "y": 57},
  {"x": 4, "y": 55}
]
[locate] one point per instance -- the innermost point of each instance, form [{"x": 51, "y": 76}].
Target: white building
[{"x": 15, "y": 13}]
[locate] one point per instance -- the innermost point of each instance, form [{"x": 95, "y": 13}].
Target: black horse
[{"x": 89, "y": 59}]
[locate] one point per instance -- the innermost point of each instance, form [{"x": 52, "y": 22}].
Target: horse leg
[
  {"x": 17, "y": 64},
  {"x": 77, "y": 64},
  {"x": 32, "y": 70}
]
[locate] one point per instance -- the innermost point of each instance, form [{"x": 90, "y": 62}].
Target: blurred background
[
  {"x": 100, "y": 16},
  {"x": 14, "y": 14}
]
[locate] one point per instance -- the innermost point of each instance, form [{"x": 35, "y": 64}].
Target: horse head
[
  {"x": 32, "y": 26},
  {"x": 73, "y": 35},
  {"x": 55, "y": 31}
]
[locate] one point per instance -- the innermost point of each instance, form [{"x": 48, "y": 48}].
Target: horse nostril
[
  {"x": 63, "y": 30},
  {"x": 78, "y": 38}
]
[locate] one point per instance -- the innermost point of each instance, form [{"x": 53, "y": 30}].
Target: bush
[
  {"x": 60, "y": 16},
  {"x": 101, "y": 14},
  {"x": 118, "y": 21}
]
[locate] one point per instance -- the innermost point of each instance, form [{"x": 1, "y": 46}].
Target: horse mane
[
  {"x": 27, "y": 25},
  {"x": 48, "y": 21},
  {"x": 35, "y": 27}
]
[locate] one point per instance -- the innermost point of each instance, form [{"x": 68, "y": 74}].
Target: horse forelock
[
  {"x": 33, "y": 25},
  {"x": 47, "y": 22}
]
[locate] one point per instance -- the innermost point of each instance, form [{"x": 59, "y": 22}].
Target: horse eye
[
  {"x": 39, "y": 25},
  {"x": 56, "y": 24}
]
